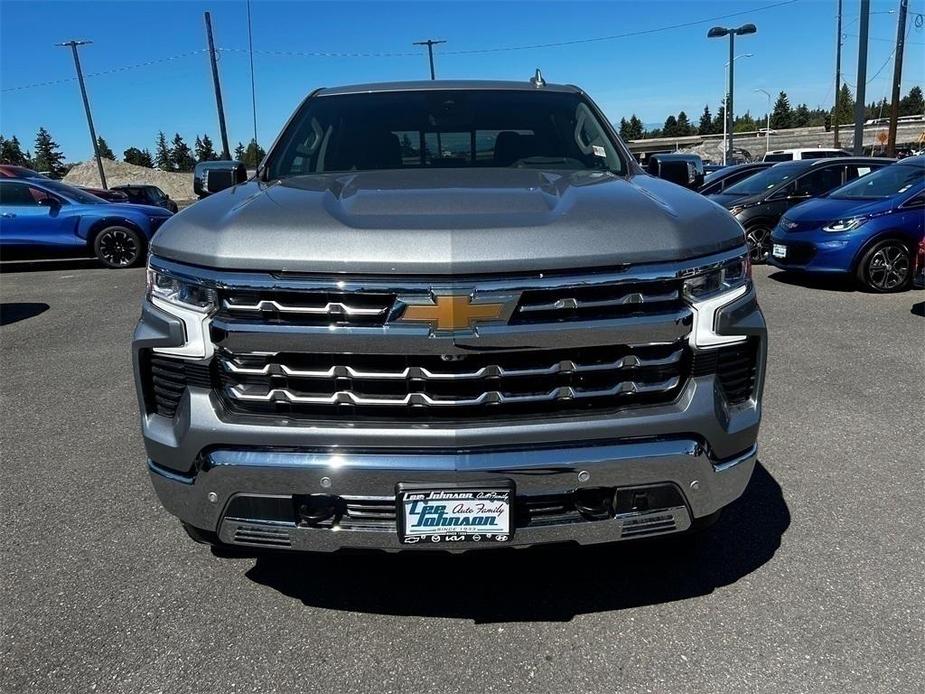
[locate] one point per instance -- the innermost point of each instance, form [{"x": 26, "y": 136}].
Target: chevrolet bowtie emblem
[{"x": 453, "y": 312}]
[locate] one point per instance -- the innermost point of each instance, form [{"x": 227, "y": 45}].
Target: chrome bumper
[{"x": 200, "y": 500}]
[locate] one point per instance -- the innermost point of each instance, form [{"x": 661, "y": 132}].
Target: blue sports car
[
  {"x": 870, "y": 227},
  {"x": 45, "y": 215}
]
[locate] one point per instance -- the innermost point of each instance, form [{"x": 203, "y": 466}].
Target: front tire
[
  {"x": 758, "y": 238},
  {"x": 886, "y": 267},
  {"x": 118, "y": 247}
]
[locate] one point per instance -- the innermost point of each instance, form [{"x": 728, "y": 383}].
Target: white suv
[{"x": 804, "y": 153}]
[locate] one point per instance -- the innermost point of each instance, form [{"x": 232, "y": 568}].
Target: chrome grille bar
[
  {"x": 571, "y": 303},
  {"x": 565, "y": 366},
  {"x": 332, "y": 308},
  {"x": 346, "y": 397}
]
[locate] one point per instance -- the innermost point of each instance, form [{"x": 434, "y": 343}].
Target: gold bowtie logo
[{"x": 448, "y": 313}]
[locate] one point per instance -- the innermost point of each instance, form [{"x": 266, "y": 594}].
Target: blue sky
[{"x": 652, "y": 75}]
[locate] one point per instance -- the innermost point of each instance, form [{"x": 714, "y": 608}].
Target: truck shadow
[
  {"x": 14, "y": 312},
  {"x": 832, "y": 283},
  {"x": 553, "y": 583}
]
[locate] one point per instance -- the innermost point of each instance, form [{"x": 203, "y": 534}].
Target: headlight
[
  {"x": 845, "y": 224},
  {"x": 178, "y": 292},
  {"x": 710, "y": 289},
  {"x": 730, "y": 275},
  {"x": 191, "y": 303}
]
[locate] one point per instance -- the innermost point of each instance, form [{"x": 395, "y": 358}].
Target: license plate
[
  {"x": 779, "y": 251},
  {"x": 436, "y": 515}
]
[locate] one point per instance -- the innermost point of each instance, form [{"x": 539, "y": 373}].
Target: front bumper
[
  {"x": 203, "y": 500},
  {"x": 816, "y": 251}
]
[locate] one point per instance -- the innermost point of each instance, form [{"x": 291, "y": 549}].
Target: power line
[{"x": 124, "y": 68}]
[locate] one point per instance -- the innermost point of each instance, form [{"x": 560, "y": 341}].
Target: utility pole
[
  {"x": 83, "y": 91},
  {"x": 218, "y": 89},
  {"x": 731, "y": 32},
  {"x": 859, "y": 105},
  {"x": 250, "y": 47},
  {"x": 897, "y": 76},
  {"x": 836, "y": 142},
  {"x": 430, "y": 53}
]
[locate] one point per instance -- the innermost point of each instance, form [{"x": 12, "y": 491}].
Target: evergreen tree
[
  {"x": 801, "y": 116},
  {"x": 719, "y": 119},
  {"x": 670, "y": 129},
  {"x": 636, "y": 131},
  {"x": 204, "y": 149},
  {"x": 844, "y": 106},
  {"x": 684, "y": 125},
  {"x": 138, "y": 157},
  {"x": 253, "y": 155},
  {"x": 162, "y": 157},
  {"x": 782, "y": 115},
  {"x": 105, "y": 151},
  {"x": 239, "y": 152},
  {"x": 180, "y": 155},
  {"x": 48, "y": 156},
  {"x": 11, "y": 152},
  {"x": 624, "y": 129},
  {"x": 744, "y": 123},
  {"x": 706, "y": 122},
  {"x": 913, "y": 103}
]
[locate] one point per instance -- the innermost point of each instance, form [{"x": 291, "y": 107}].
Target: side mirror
[
  {"x": 214, "y": 176},
  {"x": 681, "y": 172}
]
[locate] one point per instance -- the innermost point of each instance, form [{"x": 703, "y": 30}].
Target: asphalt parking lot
[{"x": 812, "y": 582}]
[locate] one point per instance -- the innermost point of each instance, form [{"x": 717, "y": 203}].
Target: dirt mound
[{"x": 178, "y": 186}]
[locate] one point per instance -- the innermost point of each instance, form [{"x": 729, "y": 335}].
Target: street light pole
[
  {"x": 725, "y": 99},
  {"x": 430, "y": 43},
  {"x": 717, "y": 32},
  {"x": 767, "y": 127},
  {"x": 83, "y": 92}
]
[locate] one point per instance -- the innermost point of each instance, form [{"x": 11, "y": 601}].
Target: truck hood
[{"x": 447, "y": 221}]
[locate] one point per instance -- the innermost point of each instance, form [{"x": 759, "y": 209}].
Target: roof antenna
[{"x": 537, "y": 79}]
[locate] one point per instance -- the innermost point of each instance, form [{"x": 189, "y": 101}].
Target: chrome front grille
[
  {"x": 596, "y": 302},
  {"x": 322, "y": 308},
  {"x": 401, "y": 386}
]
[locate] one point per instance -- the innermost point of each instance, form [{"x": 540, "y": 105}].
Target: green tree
[
  {"x": 105, "y": 151},
  {"x": 253, "y": 155},
  {"x": 138, "y": 157},
  {"x": 162, "y": 155},
  {"x": 48, "y": 155},
  {"x": 706, "y": 122},
  {"x": 624, "y": 129},
  {"x": 684, "y": 125},
  {"x": 636, "y": 131},
  {"x": 205, "y": 151},
  {"x": 801, "y": 116},
  {"x": 782, "y": 115},
  {"x": 744, "y": 123},
  {"x": 719, "y": 119},
  {"x": 670, "y": 129},
  {"x": 844, "y": 106},
  {"x": 180, "y": 155},
  {"x": 913, "y": 103},
  {"x": 239, "y": 152},
  {"x": 11, "y": 152}
]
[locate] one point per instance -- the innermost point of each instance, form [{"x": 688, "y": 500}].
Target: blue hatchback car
[
  {"x": 870, "y": 227},
  {"x": 50, "y": 216}
]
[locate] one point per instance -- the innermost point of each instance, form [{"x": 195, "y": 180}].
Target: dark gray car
[{"x": 448, "y": 315}]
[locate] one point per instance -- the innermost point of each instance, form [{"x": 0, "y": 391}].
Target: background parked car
[
  {"x": 804, "y": 153},
  {"x": 11, "y": 171},
  {"x": 110, "y": 195},
  {"x": 47, "y": 215},
  {"x": 871, "y": 227},
  {"x": 146, "y": 194},
  {"x": 684, "y": 169},
  {"x": 759, "y": 201},
  {"x": 727, "y": 176}
]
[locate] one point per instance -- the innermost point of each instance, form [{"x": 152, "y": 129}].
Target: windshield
[
  {"x": 75, "y": 194},
  {"x": 885, "y": 183},
  {"x": 443, "y": 129},
  {"x": 765, "y": 180}
]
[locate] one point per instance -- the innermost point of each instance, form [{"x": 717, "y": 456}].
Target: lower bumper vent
[{"x": 262, "y": 535}]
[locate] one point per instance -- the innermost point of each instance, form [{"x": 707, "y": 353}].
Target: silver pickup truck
[{"x": 448, "y": 315}]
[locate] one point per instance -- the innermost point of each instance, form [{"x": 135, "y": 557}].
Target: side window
[
  {"x": 855, "y": 171},
  {"x": 15, "y": 193},
  {"x": 38, "y": 195},
  {"x": 820, "y": 181}
]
